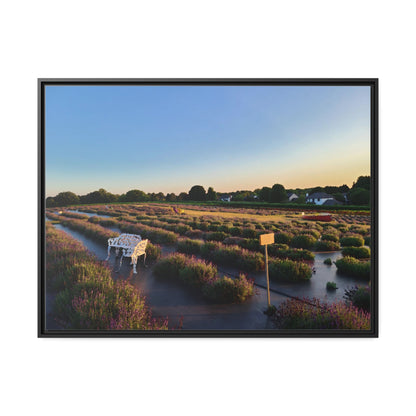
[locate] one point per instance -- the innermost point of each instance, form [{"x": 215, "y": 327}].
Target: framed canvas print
[{"x": 208, "y": 207}]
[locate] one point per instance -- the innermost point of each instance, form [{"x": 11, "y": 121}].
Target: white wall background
[{"x": 206, "y": 39}]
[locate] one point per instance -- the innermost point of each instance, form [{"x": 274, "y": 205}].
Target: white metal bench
[{"x": 131, "y": 245}]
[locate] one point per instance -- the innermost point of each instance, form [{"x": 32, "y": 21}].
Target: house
[
  {"x": 291, "y": 196},
  {"x": 225, "y": 198},
  {"x": 319, "y": 198},
  {"x": 331, "y": 201}
]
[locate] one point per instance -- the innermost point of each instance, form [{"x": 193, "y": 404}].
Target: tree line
[{"x": 358, "y": 194}]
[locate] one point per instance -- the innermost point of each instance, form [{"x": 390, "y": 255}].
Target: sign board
[{"x": 266, "y": 239}]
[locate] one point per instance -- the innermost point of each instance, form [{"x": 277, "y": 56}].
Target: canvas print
[{"x": 208, "y": 208}]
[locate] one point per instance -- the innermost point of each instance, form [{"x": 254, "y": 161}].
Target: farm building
[
  {"x": 319, "y": 198},
  {"x": 291, "y": 196}
]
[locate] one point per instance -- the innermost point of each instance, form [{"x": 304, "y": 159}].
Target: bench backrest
[{"x": 125, "y": 240}]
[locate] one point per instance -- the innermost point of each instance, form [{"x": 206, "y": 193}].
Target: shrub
[
  {"x": 283, "y": 238},
  {"x": 330, "y": 237},
  {"x": 153, "y": 252},
  {"x": 196, "y": 234},
  {"x": 360, "y": 297},
  {"x": 235, "y": 241},
  {"x": 331, "y": 286},
  {"x": 189, "y": 246},
  {"x": 215, "y": 236},
  {"x": 357, "y": 252},
  {"x": 367, "y": 240},
  {"x": 315, "y": 234},
  {"x": 303, "y": 241},
  {"x": 225, "y": 289},
  {"x": 288, "y": 270},
  {"x": 95, "y": 231},
  {"x": 314, "y": 314},
  {"x": 197, "y": 273},
  {"x": 328, "y": 261},
  {"x": 291, "y": 254},
  {"x": 353, "y": 267},
  {"x": 352, "y": 241},
  {"x": 233, "y": 256},
  {"x": 203, "y": 276},
  {"x": 235, "y": 231},
  {"x": 326, "y": 246},
  {"x": 75, "y": 215},
  {"x": 170, "y": 267},
  {"x": 249, "y": 233}
]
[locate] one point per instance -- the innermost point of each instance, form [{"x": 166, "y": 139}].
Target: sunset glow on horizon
[{"x": 169, "y": 138}]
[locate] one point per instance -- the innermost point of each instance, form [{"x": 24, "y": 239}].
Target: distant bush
[
  {"x": 234, "y": 241},
  {"x": 288, "y": 270},
  {"x": 249, "y": 233},
  {"x": 75, "y": 215},
  {"x": 182, "y": 229},
  {"x": 303, "y": 241},
  {"x": 357, "y": 252},
  {"x": 315, "y": 234},
  {"x": 353, "y": 267},
  {"x": 331, "y": 286},
  {"x": 352, "y": 241},
  {"x": 215, "y": 236},
  {"x": 189, "y": 246},
  {"x": 326, "y": 246},
  {"x": 197, "y": 234},
  {"x": 233, "y": 256},
  {"x": 329, "y": 237},
  {"x": 292, "y": 254},
  {"x": 328, "y": 261},
  {"x": 235, "y": 231},
  {"x": 367, "y": 241},
  {"x": 283, "y": 238}
]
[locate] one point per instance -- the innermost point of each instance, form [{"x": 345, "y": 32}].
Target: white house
[
  {"x": 291, "y": 196},
  {"x": 319, "y": 198},
  {"x": 225, "y": 198}
]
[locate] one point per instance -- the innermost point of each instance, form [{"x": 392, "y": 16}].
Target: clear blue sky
[{"x": 168, "y": 138}]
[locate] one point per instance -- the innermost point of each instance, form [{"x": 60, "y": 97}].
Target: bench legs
[{"x": 108, "y": 253}]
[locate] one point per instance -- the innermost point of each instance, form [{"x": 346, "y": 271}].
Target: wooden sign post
[{"x": 266, "y": 239}]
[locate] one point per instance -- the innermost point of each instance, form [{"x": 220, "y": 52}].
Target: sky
[{"x": 169, "y": 138}]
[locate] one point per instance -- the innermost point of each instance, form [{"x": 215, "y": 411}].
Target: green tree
[
  {"x": 183, "y": 196},
  {"x": 278, "y": 193},
  {"x": 363, "y": 182},
  {"x": 197, "y": 193},
  {"x": 264, "y": 193},
  {"x": 66, "y": 198},
  {"x": 50, "y": 202},
  {"x": 211, "y": 194},
  {"x": 359, "y": 196},
  {"x": 171, "y": 197},
  {"x": 135, "y": 195},
  {"x": 339, "y": 197}
]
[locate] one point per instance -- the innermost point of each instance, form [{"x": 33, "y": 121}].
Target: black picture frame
[{"x": 371, "y": 82}]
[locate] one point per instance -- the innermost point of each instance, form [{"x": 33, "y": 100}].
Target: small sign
[{"x": 266, "y": 239}]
